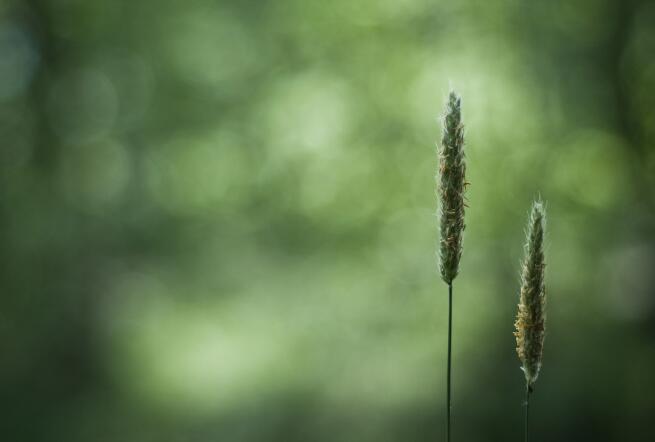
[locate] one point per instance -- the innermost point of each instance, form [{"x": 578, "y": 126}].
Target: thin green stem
[
  {"x": 528, "y": 390},
  {"x": 450, "y": 335}
]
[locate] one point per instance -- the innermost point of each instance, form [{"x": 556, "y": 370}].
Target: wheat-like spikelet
[
  {"x": 451, "y": 188},
  {"x": 530, "y": 320}
]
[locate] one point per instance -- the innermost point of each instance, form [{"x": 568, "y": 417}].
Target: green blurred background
[{"x": 217, "y": 218}]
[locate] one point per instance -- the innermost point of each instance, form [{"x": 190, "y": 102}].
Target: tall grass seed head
[
  {"x": 451, "y": 186},
  {"x": 530, "y": 319}
]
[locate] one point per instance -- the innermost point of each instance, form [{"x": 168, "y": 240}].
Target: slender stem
[
  {"x": 528, "y": 390},
  {"x": 450, "y": 335}
]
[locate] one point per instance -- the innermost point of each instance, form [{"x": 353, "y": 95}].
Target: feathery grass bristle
[
  {"x": 451, "y": 188},
  {"x": 530, "y": 320}
]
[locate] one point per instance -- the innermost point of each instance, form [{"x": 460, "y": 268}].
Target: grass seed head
[
  {"x": 530, "y": 320},
  {"x": 451, "y": 187}
]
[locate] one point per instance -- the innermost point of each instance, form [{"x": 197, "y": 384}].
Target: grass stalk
[
  {"x": 448, "y": 369},
  {"x": 528, "y": 390},
  {"x": 531, "y": 317},
  {"x": 451, "y": 187}
]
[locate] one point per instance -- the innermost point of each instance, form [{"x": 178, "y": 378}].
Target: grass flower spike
[
  {"x": 530, "y": 320},
  {"x": 452, "y": 170},
  {"x": 531, "y": 314},
  {"x": 451, "y": 187}
]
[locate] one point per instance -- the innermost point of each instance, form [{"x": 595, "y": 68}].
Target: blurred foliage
[{"x": 217, "y": 218}]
